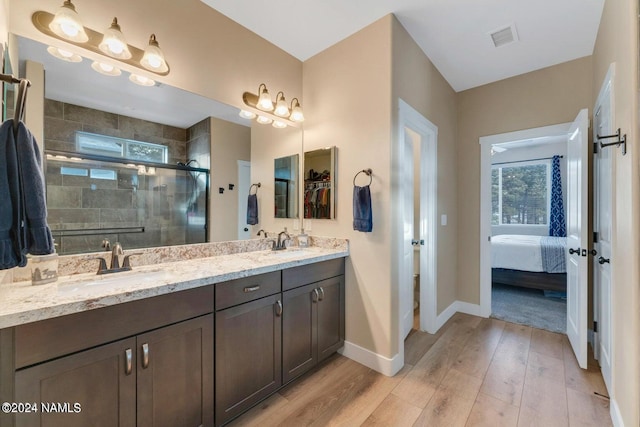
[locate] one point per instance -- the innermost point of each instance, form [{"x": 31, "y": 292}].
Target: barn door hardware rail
[{"x": 617, "y": 143}]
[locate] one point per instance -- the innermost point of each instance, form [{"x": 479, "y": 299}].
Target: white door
[
  {"x": 406, "y": 286},
  {"x": 603, "y": 125},
  {"x": 577, "y": 235},
  {"x": 244, "y": 182}
]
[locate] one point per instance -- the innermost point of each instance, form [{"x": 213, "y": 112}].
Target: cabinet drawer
[
  {"x": 247, "y": 289},
  {"x": 310, "y": 273},
  {"x": 47, "y": 339}
]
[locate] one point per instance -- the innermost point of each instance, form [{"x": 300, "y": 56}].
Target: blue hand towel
[
  {"x": 252, "y": 209},
  {"x": 362, "y": 214},
  {"x": 34, "y": 203},
  {"x": 9, "y": 194}
]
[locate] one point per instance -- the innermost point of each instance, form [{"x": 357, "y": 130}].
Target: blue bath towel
[
  {"x": 23, "y": 210},
  {"x": 362, "y": 214},
  {"x": 252, "y": 209}
]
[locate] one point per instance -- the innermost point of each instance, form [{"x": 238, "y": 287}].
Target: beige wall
[
  {"x": 229, "y": 143},
  {"x": 208, "y": 53},
  {"x": 348, "y": 89},
  {"x": 4, "y": 27},
  {"x": 618, "y": 42},
  {"x": 418, "y": 83},
  {"x": 545, "y": 97}
]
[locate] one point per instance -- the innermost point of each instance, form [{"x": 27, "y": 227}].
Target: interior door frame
[
  {"x": 485, "y": 199},
  {"x": 410, "y": 118},
  {"x": 243, "y": 193}
]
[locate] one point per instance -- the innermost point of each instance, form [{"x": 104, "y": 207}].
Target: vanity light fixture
[
  {"x": 106, "y": 69},
  {"x": 262, "y": 108},
  {"x": 67, "y": 25},
  {"x": 113, "y": 43},
  {"x": 63, "y": 54}
]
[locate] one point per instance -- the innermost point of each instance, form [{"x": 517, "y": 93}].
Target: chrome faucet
[
  {"x": 281, "y": 244},
  {"x": 261, "y": 231},
  {"x": 116, "y": 251}
]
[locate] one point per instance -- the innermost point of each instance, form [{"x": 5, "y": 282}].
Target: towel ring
[
  {"x": 258, "y": 185},
  {"x": 367, "y": 172}
]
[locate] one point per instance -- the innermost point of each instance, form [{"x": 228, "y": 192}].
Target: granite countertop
[{"x": 21, "y": 302}]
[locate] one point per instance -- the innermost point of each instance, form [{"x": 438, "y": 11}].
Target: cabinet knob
[
  {"x": 128, "y": 356},
  {"x": 145, "y": 355}
]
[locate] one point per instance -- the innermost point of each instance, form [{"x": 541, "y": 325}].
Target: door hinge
[
  {"x": 595, "y": 237},
  {"x": 595, "y": 326},
  {"x": 595, "y": 148}
]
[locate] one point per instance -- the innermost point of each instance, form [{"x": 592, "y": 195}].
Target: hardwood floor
[{"x": 473, "y": 372}]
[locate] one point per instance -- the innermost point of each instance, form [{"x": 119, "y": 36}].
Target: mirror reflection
[
  {"x": 178, "y": 135},
  {"x": 319, "y": 183},
  {"x": 286, "y": 187}
]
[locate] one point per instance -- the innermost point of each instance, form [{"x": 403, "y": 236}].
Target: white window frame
[
  {"x": 82, "y": 137},
  {"x": 547, "y": 163}
]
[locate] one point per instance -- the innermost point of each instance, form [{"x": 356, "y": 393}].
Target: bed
[{"x": 537, "y": 262}]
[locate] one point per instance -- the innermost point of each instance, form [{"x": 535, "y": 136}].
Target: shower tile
[
  {"x": 174, "y": 133},
  {"x": 63, "y": 197},
  {"x": 53, "y": 108},
  {"x": 115, "y": 217},
  {"x": 138, "y": 126},
  {"x": 61, "y": 130},
  {"x": 98, "y": 198},
  {"x": 88, "y": 115},
  {"x": 63, "y": 216}
]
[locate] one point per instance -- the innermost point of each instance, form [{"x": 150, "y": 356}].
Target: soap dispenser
[{"x": 303, "y": 239}]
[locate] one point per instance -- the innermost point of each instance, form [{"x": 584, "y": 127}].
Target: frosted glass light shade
[
  {"x": 113, "y": 43},
  {"x": 263, "y": 120},
  {"x": 296, "y": 112},
  {"x": 264, "y": 101},
  {"x": 106, "y": 69},
  {"x": 141, "y": 80},
  {"x": 247, "y": 114},
  {"x": 278, "y": 124},
  {"x": 282, "y": 109},
  {"x": 63, "y": 54},
  {"x": 66, "y": 24},
  {"x": 153, "y": 58}
]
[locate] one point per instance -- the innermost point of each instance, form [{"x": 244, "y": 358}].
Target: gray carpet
[{"x": 529, "y": 307}]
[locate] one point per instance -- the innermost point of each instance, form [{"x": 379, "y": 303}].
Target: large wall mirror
[
  {"x": 320, "y": 183},
  {"x": 151, "y": 166}
]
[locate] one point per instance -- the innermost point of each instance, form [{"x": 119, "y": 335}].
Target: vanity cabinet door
[
  {"x": 330, "y": 316},
  {"x": 175, "y": 375},
  {"x": 248, "y": 355},
  {"x": 299, "y": 331},
  {"x": 101, "y": 380}
]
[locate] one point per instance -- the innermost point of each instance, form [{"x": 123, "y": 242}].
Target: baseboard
[
  {"x": 457, "y": 307},
  {"x": 616, "y": 416},
  {"x": 368, "y": 358}
]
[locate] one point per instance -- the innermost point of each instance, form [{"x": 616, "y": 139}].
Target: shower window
[{"x": 111, "y": 146}]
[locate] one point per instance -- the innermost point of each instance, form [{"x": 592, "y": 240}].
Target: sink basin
[
  {"x": 115, "y": 280},
  {"x": 287, "y": 253}
]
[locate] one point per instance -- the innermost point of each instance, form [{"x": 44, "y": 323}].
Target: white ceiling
[{"x": 452, "y": 33}]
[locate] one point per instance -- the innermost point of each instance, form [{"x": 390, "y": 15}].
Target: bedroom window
[{"x": 520, "y": 193}]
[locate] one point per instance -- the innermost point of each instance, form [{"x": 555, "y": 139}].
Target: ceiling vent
[{"x": 504, "y": 36}]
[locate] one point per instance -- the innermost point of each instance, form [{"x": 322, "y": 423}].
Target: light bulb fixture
[
  {"x": 141, "y": 80},
  {"x": 261, "y": 107},
  {"x": 63, "y": 54},
  {"x": 153, "y": 58},
  {"x": 296, "y": 111},
  {"x": 264, "y": 120},
  {"x": 113, "y": 43},
  {"x": 67, "y": 25},
  {"x": 106, "y": 69},
  {"x": 264, "y": 99},
  {"x": 247, "y": 114},
  {"x": 281, "y": 110}
]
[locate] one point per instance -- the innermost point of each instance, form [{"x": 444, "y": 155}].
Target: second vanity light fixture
[
  {"x": 66, "y": 25},
  {"x": 262, "y": 108}
]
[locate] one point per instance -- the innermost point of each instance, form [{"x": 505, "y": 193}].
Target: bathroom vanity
[{"x": 192, "y": 343}]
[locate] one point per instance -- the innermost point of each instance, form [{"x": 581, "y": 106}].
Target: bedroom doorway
[{"x": 512, "y": 205}]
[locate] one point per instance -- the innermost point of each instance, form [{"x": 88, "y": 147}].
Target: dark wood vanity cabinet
[
  {"x": 160, "y": 375},
  {"x": 312, "y": 325}
]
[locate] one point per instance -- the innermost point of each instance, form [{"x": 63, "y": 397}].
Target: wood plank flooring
[{"x": 473, "y": 372}]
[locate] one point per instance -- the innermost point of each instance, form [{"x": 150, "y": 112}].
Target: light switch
[{"x": 443, "y": 219}]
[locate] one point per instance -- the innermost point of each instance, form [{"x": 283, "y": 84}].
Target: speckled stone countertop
[{"x": 21, "y": 302}]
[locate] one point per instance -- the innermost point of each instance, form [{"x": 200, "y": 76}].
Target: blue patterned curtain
[{"x": 556, "y": 216}]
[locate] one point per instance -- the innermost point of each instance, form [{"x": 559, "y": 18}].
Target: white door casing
[
  {"x": 603, "y": 125},
  {"x": 578, "y": 153},
  {"x": 244, "y": 182},
  {"x": 406, "y": 286}
]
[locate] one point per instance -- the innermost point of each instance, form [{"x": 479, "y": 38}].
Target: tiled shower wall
[{"x": 160, "y": 203}]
